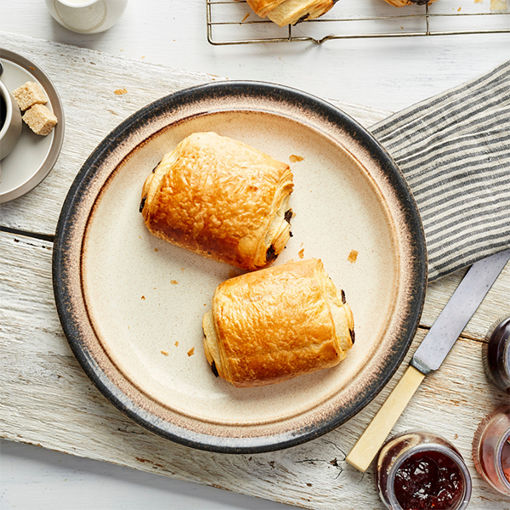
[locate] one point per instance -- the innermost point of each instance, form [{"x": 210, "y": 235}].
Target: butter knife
[{"x": 430, "y": 354}]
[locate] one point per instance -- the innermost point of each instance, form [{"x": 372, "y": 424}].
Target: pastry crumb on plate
[{"x": 353, "y": 256}]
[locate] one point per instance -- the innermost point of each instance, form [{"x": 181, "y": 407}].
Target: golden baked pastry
[
  {"x": 221, "y": 198},
  {"x": 403, "y": 3},
  {"x": 277, "y": 323},
  {"x": 289, "y": 12}
]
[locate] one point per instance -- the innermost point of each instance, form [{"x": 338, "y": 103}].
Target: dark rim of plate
[{"x": 62, "y": 268}]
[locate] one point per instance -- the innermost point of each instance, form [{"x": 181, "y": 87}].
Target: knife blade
[
  {"x": 456, "y": 314},
  {"x": 430, "y": 354}
]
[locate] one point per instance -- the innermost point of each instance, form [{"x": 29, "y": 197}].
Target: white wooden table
[{"x": 384, "y": 74}]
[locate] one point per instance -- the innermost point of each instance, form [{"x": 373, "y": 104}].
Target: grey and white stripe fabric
[{"x": 454, "y": 151}]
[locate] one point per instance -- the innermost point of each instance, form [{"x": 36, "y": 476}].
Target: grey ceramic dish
[
  {"x": 131, "y": 304},
  {"x": 33, "y": 156}
]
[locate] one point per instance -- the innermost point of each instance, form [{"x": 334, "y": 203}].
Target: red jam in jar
[
  {"x": 491, "y": 450},
  {"x": 428, "y": 479},
  {"x": 421, "y": 471}
]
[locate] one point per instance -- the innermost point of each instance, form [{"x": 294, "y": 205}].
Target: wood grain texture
[
  {"x": 86, "y": 81},
  {"x": 46, "y": 399},
  {"x": 383, "y": 73},
  {"x": 87, "y": 89}
]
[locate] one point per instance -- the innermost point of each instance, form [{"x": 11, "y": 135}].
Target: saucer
[{"x": 33, "y": 156}]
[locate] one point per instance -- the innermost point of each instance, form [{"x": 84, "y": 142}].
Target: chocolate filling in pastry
[{"x": 271, "y": 254}]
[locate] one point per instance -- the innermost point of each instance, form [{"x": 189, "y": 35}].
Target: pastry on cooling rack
[
  {"x": 221, "y": 198},
  {"x": 289, "y": 12},
  {"x": 277, "y": 323},
  {"x": 403, "y": 3}
]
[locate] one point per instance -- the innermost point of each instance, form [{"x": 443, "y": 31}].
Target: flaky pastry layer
[
  {"x": 277, "y": 323},
  {"x": 221, "y": 198},
  {"x": 289, "y": 12}
]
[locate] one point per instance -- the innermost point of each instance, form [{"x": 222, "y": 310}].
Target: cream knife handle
[{"x": 372, "y": 439}]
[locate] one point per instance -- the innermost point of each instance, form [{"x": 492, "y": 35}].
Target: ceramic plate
[
  {"x": 131, "y": 305},
  {"x": 33, "y": 156}
]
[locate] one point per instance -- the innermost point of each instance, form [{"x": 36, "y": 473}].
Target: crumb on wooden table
[
  {"x": 499, "y": 5},
  {"x": 301, "y": 253},
  {"x": 155, "y": 249},
  {"x": 165, "y": 353},
  {"x": 174, "y": 282},
  {"x": 176, "y": 343},
  {"x": 246, "y": 17},
  {"x": 191, "y": 352},
  {"x": 143, "y": 298},
  {"x": 120, "y": 92},
  {"x": 353, "y": 256},
  {"x": 294, "y": 158}
]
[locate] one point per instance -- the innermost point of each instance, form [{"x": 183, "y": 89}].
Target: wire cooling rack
[{"x": 232, "y": 21}]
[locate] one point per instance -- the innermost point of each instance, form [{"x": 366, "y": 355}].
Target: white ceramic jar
[{"x": 86, "y": 16}]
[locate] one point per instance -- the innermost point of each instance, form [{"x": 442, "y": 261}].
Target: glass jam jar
[
  {"x": 491, "y": 450},
  {"x": 419, "y": 470},
  {"x": 496, "y": 355}
]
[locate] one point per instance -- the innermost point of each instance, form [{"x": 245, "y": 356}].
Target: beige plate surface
[{"x": 144, "y": 295}]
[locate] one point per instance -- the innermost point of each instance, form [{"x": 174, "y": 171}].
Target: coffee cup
[{"x": 10, "y": 121}]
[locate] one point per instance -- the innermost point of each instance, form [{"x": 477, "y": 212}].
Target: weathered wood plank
[
  {"x": 496, "y": 304},
  {"x": 46, "y": 399},
  {"x": 86, "y": 81},
  {"x": 89, "y": 78}
]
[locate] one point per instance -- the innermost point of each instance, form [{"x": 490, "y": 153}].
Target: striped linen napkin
[{"x": 454, "y": 151}]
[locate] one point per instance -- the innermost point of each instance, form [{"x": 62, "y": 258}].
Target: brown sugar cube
[
  {"x": 28, "y": 94},
  {"x": 40, "y": 119}
]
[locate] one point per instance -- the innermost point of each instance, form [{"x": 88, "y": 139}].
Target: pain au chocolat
[
  {"x": 277, "y": 323},
  {"x": 221, "y": 198},
  {"x": 289, "y": 12}
]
